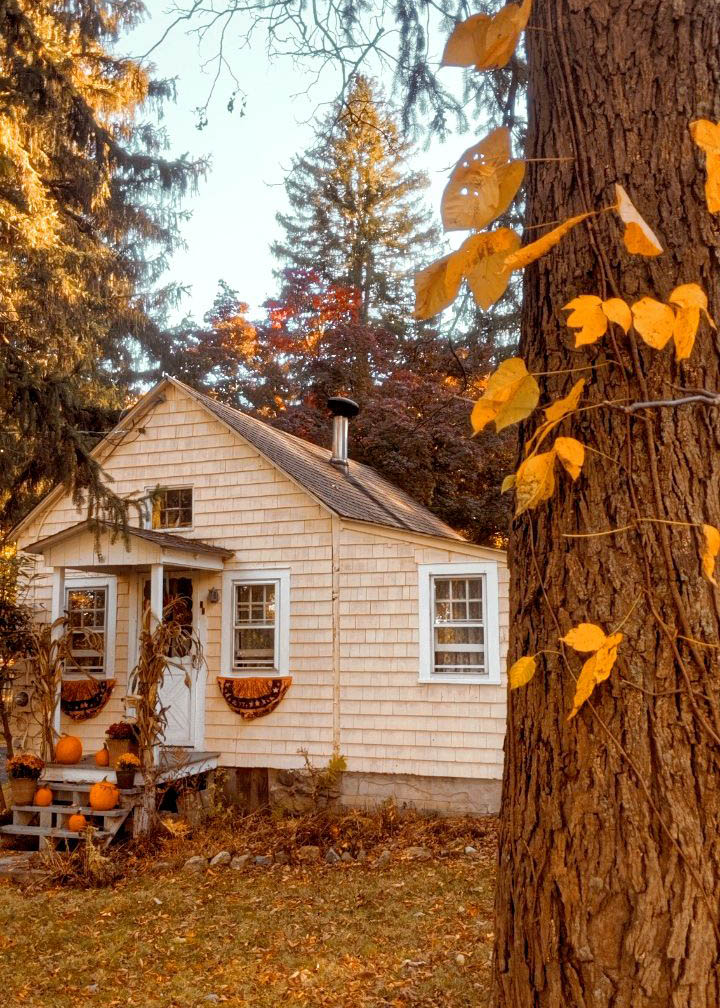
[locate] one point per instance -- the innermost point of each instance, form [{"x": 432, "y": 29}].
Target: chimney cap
[{"x": 340, "y": 406}]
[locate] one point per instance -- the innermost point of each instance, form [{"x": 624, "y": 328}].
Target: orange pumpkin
[
  {"x": 77, "y": 822},
  {"x": 43, "y": 797},
  {"x": 102, "y": 757},
  {"x": 103, "y": 796},
  {"x": 68, "y": 750}
]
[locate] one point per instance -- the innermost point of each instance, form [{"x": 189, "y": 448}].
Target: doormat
[
  {"x": 255, "y": 697},
  {"x": 82, "y": 699}
]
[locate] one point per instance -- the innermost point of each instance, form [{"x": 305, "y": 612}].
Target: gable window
[
  {"x": 256, "y": 622},
  {"x": 172, "y": 508},
  {"x": 459, "y": 632},
  {"x": 90, "y": 608}
]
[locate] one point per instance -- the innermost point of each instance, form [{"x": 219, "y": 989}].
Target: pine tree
[{"x": 86, "y": 221}]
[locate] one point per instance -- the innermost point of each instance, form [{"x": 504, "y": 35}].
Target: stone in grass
[
  {"x": 308, "y": 853},
  {"x": 263, "y": 859},
  {"x": 197, "y": 863},
  {"x": 418, "y": 853},
  {"x": 347, "y": 857},
  {"x": 470, "y": 851},
  {"x": 332, "y": 856},
  {"x": 281, "y": 858},
  {"x": 222, "y": 858},
  {"x": 383, "y": 860},
  {"x": 239, "y": 861},
  {"x": 460, "y": 959},
  {"x": 361, "y": 855}
]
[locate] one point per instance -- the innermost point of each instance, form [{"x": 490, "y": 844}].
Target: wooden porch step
[
  {"x": 70, "y": 809},
  {"x": 53, "y": 832}
]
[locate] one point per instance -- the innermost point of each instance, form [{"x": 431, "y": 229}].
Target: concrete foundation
[{"x": 446, "y": 795}]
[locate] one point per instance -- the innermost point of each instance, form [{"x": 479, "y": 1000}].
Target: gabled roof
[
  {"x": 166, "y": 539},
  {"x": 359, "y": 493}
]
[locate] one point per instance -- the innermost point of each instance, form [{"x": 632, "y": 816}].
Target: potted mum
[
  {"x": 121, "y": 738},
  {"x": 125, "y": 770},
  {"x": 24, "y": 770}
]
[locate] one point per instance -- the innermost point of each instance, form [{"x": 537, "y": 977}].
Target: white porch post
[
  {"x": 57, "y": 608},
  {"x": 156, "y": 613},
  {"x": 156, "y": 594}
]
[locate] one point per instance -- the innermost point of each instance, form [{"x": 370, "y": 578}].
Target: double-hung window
[
  {"x": 459, "y": 632},
  {"x": 171, "y": 508},
  {"x": 90, "y": 609},
  {"x": 256, "y": 621}
]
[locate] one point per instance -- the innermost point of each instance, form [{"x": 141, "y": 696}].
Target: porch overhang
[{"x": 101, "y": 548}]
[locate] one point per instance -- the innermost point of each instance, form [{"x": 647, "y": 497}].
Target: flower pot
[
  {"x": 125, "y": 778},
  {"x": 118, "y": 747},
  {"x": 22, "y": 790}
]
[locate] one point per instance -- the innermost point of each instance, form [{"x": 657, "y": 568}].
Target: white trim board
[
  {"x": 242, "y": 576},
  {"x": 491, "y": 610}
]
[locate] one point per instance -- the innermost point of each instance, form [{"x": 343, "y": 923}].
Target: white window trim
[
  {"x": 147, "y": 508},
  {"x": 231, "y": 578},
  {"x": 109, "y": 583},
  {"x": 489, "y": 571}
]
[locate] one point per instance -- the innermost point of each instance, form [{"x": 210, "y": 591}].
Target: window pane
[
  {"x": 86, "y": 616},
  {"x": 459, "y": 611},
  {"x": 474, "y": 588},
  {"x": 459, "y": 635},
  {"x": 442, "y": 588},
  {"x": 254, "y": 640},
  {"x": 172, "y": 508},
  {"x": 459, "y": 589}
]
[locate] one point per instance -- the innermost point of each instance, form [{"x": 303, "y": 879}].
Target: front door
[{"x": 176, "y": 692}]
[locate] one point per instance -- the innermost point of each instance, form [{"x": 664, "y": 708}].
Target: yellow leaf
[
  {"x": 466, "y": 41},
  {"x": 510, "y": 396},
  {"x": 502, "y": 35},
  {"x": 486, "y": 41},
  {"x": 692, "y": 296},
  {"x": 534, "y": 481},
  {"x": 711, "y": 548},
  {"x": 595, "y": 670},
  {"x": 586, "y": 315},
  {"x": 638, "y": 237},
  {"x": 437, "y": 286},
  {"x": 557, "y": 410},
  {"x": 482, "y": 185},
  {"x": 585, "y": 637},
  {"x": 561, "y": 407},
  {"x": 508, "y": 483},
  {"x": 488, "y": 275},
  {"x": 654, "y": 321},
  {"x": 571, "y": 454},
  {"x": 615, "y": 310},
  {"x": 521, "y": 672},
  {"x": 707, "y": 136},
  {"x": 529, "y": 253},
  {"x": 685, "y": 329}
]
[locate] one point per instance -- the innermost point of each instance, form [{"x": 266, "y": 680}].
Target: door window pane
[{"x": 87, "y": 618}]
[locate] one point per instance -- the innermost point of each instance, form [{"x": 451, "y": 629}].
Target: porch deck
[
  {"x": 174, "y": 764},
  {"x": 71, "y": 785}
]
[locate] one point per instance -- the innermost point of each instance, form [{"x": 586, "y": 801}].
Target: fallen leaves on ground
[{"x": 320, "y": 936}]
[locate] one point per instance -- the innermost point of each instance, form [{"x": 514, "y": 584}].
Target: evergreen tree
[{"x": 86, "y": 221}]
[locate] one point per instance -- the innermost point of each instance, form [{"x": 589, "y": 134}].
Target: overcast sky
[{"x": 233, "y": 215}]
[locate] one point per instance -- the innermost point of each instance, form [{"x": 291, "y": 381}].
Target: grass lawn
[{"x": 412, "y": 933}]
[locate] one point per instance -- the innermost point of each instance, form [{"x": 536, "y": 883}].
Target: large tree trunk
[{"x": 609, "y": 873}]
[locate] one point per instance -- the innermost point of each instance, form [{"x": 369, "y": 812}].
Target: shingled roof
[{"x": 359, "y": 493}]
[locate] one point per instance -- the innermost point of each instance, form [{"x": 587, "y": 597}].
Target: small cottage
[{"x": 336, "y": 614}]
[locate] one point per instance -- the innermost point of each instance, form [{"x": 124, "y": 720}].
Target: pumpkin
[
  {"x": 103, "y": 796},
  {"x": 102, "y": 757},
  {"x": 77, "y": 822},
  {"x": 68, "y": 750},
  {"x": 43, "y": 797}
]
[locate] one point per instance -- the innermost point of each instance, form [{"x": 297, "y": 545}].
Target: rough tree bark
[{"x": 609, "y": 871}]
